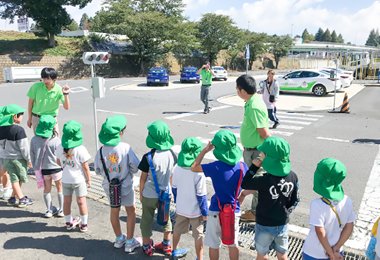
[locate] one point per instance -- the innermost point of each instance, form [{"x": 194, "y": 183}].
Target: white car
[
  {"x": 308, "y": 80},
  {"x": 346, "y": 77},
  {"x": 220, "y": 73}
]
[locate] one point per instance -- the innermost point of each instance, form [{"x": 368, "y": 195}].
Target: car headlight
[
  {"x": 150, "y": 75},
  {"x": 165, "y": 75}
]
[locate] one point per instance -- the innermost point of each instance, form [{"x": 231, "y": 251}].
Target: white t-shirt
[
  {"x": 72, "y": 164},
  {"x": 189, "y": 185},
  {"x": 321, "y": 215}
]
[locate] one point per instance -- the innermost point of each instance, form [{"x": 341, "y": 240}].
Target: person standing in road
[
  {"x": 253, "y": 131},
  {"x": 206, "y": 74},
  {"x": 270, "y": 91},
  {"x": 44, "y": 98}
]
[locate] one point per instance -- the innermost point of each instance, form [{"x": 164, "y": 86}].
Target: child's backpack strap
[
  {"x": 153, "y": 173},
  {"x": 326, "y": 201}
]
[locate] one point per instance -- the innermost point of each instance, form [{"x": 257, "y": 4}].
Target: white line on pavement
[
  {"x": 199, "y": 122},
  {"x": 274, "y": 132},
  {"x": 333, "y": 139},
  {"x": 296, "y": 122},
  {"x": 290, "y": 127},
  {"x": 78, "y": 89},
  {"x": 299, "y": 118},
  {"x": 114, "y": 112},
  {"x": 298, "y": 114},
  {"x": 194, "y": 113}
]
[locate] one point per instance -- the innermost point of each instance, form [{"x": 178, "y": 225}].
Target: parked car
[
  {"x": 346, "y": 77},
  {"x": 158, "y": 76},
  {"x": 308, "y": 80},
  {"x": 188, "y": 74},
  {"x": 220, "y": 73}
]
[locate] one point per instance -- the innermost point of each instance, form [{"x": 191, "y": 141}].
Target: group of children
[{"x": 65, "y": 161}]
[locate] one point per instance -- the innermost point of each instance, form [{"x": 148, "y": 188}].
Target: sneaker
[
  {"x": 23, "y": 202},
  {"x": 83, "y": 227},
  {"x": 1, "y": 193},
  {"x": 149, "y": 251},
  {"x": 71, "y": 225},
  {"x": 48, "y": 213},
  {"x": 248, "y": 216},
  {"x": 133, "y": 244},
  {"x": 12, "y": 201},
  {"x": 119, "y": 242},
  {"x": 180, "y": 252},
  {"x": 7, "y": 195},
  {"x": 275, "y": 125},
  {"x": 166, "y": 249},
  {"x": 60, "y": 213}
]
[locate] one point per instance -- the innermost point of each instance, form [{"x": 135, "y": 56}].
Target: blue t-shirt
[{"x": 225, "y": 180}]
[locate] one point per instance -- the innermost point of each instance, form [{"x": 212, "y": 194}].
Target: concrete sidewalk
[{"x": 26, "y": 234}]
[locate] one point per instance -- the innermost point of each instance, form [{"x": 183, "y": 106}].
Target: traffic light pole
[{"x": 95, "y": 113}]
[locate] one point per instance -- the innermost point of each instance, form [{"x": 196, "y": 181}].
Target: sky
[{"x": 352, "y": 18}]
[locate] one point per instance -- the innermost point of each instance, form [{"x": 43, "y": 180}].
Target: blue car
[
  {"x": 189, "y": 74},
  {"x": 158, "y": 76}
]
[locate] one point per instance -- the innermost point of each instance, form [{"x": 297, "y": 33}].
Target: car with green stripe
[{"x": 308, "y": 80}]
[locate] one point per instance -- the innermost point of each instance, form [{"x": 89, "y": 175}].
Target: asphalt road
[{"x": 309, "y": 144}]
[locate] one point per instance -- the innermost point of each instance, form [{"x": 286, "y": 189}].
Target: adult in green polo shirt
[
  {"x": 253, "y": 131},
  {"x": 206, "y": 74},
  {"x": 44, "y": 98}
]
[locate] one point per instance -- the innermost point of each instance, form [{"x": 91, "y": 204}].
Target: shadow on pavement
[
  {"x": 18, "y": 213},
  {"x": 76, "y": 247},
  {"x": 29, "y": 227}
]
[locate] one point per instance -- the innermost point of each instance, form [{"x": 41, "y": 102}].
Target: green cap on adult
[
  {"x": 110, "y": 132},
  {"x": 276, "y": 161},
  {"x": 8, "y": 112},
  {"x": 191, "y": 147},
  {"x": 226, "y": 148},
  {"x": 45, "y": 126},
  {"x": 72, "y": 136},
  {"x": 328, "y": 178},
  {"x": 159, "y": 136}
]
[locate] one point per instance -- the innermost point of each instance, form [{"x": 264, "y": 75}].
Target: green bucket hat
[
  {"x": 8, "y": 112},
  {"x": 276, "y": 161},
  {"x": 328, "y": 178},
  {"x": 45, "y": 126},
  {"x": 159, "y": 136},
  {"x": 110, "y": 132},
  {"x": 72, "y": 136},
  {"x": 226, "y": 149},
  {"x": 190, "y": 149}
]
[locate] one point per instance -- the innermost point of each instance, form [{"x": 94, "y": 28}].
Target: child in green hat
[
  {"x": 5, "y": 185},
  {"x": 332, "y": 216},
  {"x": 120, "y": 162},
  {"x": 42, "y": 153},
  {"x": 16, "y": 154},
  {"x": 73, "y": 157},
  {"x": 190, "y": 196},
  {"x": 163, "y": 160},
  {"x": 278, "y": 196},
  {"x": 226, "y": 175}
]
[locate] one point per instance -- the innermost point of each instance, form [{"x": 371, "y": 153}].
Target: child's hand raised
[
  {"x": 257, "y": 162},
  {"x": 66, "y": 89},
  {"x": 209, "y": 147}
]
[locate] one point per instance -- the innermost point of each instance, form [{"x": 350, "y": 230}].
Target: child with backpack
[
  {"x": 226, "y": 175},
  {"x": 190, "y": 196},
  {"x": 332, "y": 215},
  {"x": 42, "y": 153},
  {"x": 156, "y": 174},
  {"x": 117, "y": 163},
  {"x": 73, "y": 157},
  {"x": 5, "y": 185}
]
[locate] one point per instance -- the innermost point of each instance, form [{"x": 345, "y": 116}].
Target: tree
[
  {"x": 340, "y": 38},
  {"x": 216, "y": 32},
  {"x": 73, "y": 26},
  {"x": 372, "y": 39},
  {"x": 319, "y": 35},
  {"x": 50, "y": 15},
  {"x": 326, "y": 36},
  {"x": 305, "y": 35},
  {"x": 280, "y": 47},
  {"x": 334, "y": 37},
  {"x": 257, "y": 46},
  {"x": 84, "y": 22}
]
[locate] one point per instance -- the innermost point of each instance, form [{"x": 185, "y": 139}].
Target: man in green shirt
[
  {"x": 206, "y": 74},
  {"x": 253, "y": 131},
  {"x": 44, "y": 98}
]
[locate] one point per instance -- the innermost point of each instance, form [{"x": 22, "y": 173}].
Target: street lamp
[{"x": 248, "y": 25}]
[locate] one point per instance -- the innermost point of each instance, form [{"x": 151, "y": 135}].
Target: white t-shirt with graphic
[
  {"x": 189, "y": 185},
  {"x": 72, "y": 164},
  {"x": 321, "y": 215}
]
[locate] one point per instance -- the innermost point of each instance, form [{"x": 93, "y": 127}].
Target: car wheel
[
  {"x": 198, "y": 81},
  {"x": 148, "y": 84},
  {"x": 319, "y": 90},
  {"x": 167, "y": 84},
  {"x": 225, "y": 79}
]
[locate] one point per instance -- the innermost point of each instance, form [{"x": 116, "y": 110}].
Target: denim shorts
[{"x": 268, "y": 238}]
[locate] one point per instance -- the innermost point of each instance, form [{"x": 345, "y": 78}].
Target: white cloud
[
  {"x": 277, "y": 17},
  {"x": 90, "y": 10}
]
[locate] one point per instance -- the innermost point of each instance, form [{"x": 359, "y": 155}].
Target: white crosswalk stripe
[
  {"x": 299, "y": 118},
  {"x": 296, "y": 122}
]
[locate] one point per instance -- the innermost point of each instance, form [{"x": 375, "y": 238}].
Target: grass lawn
[{"x": 12, "y": 42}]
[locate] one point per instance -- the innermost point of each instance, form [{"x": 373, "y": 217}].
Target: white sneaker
[
  {"x": 48, "y": 213},
  {"x": 119, "y": 242},
  {"x": 7, "y": 194},
  {"x": 60, "y": 213},
  {"x": 130, "y": 246}
]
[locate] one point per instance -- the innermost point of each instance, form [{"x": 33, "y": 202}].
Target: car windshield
[
  {"x": 190, "y": 70},
  {"x": 157, "y": 71},
  {"x": 218, "y": 68}
]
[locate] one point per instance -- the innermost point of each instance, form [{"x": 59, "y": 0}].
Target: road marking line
[
  {"x": 78, "y": 89},
  {"x": 296, "y": 122},
  {"x": 114, "y": 112},
  {"x": 274, "y": 132},
  {"x": 298, "y": 114},
  {"x": 300, "y": 118},
  {"x": 139, "y": 80},
  {"x": 290, "y": 127},
  {"x": 194, "y": 113},
  {"x": 199, "y": 122},
  {"x": 334, "y": 139}
]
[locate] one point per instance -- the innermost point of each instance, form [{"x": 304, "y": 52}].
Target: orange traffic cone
[{"x": 345, "y": 106}]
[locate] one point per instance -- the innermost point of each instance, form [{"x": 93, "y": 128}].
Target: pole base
[{"x": 333, "y": 111}]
